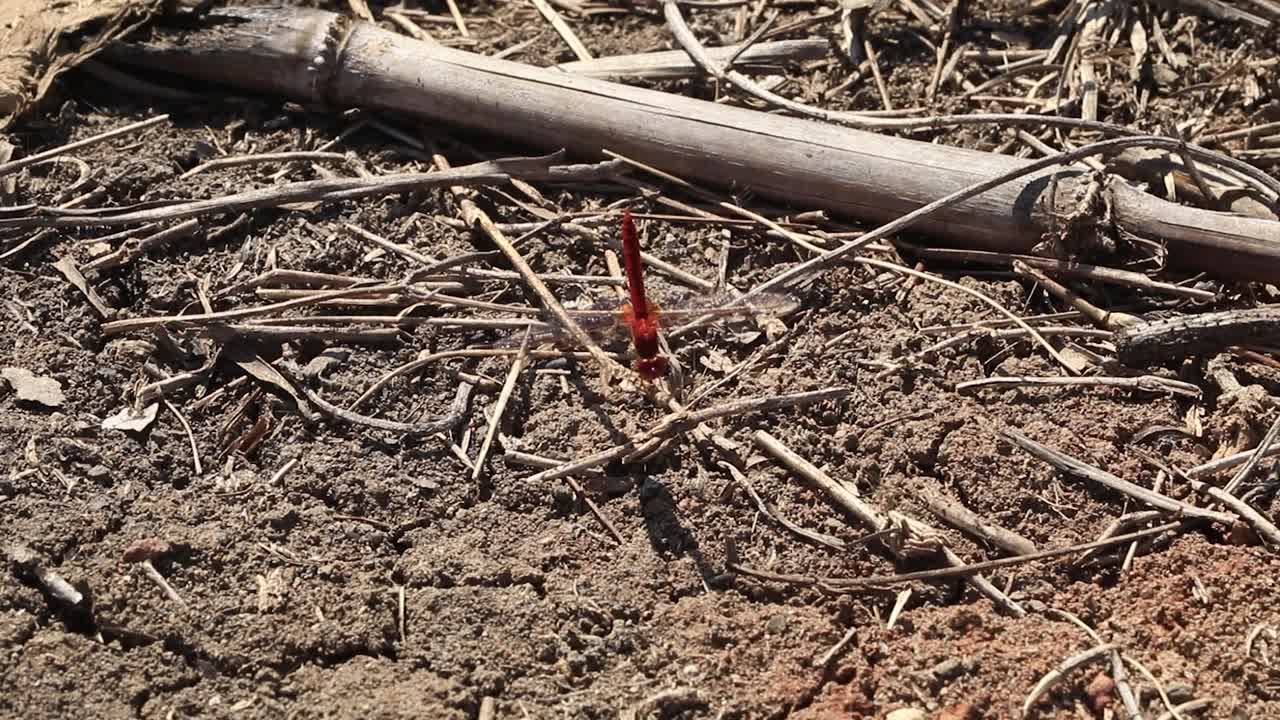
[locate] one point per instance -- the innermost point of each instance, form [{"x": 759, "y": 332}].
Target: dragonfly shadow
[{"x": 669, "y": 537}]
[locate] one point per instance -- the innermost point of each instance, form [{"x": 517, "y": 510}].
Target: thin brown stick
[
  {"x": 1063, "y": 268},
  {"x": 849, "y": 585},
  {"x": 133, "y": 249},
  {"x": 1142, "y": 383},
  {"x": 678, "y": 422},
  {"x": 1256, "y": 520},
  {"x": 675, "y": 64},
  {"x": 477, "y": 218},
  {"x": 1230, "y": 461},
  {"x": 952, "y": 512},
  {"x": 1053, "y": 352},
  {"x": 1068, "y": 464},
  {"x": 517, "y": 457},
  {"x": 1118, "y": 673},
  {"x": 422, "y": 362},
  {"x": 764, "y": 509},
  {"x": 1102, "y": 318},
  {"x": 1053, "y": 676},
  {"x": 281, "y": 157},
  {"x": 500, "y": 406},
  {"x": 444, "y": 423},
  {"x": 15, "y": 165},
  {"x": 872, "y": 518},
  {"x": 292, "y": 333},
  {"x": 492, "y": 172},
  {"x": 191, "y": 437},
  {"x": 134, "y": 324}
]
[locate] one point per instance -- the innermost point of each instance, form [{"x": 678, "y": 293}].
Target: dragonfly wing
[
  {"x": 759, "y": 307},
  {"x": 600, "y": 325}
]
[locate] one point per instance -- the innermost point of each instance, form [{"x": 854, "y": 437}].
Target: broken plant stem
[
  {"x": 820, "y": 263},
  {"x": 876, "y": 521},
  {"x": 804, "y": 163},
  {"x": 1068, "y": 464},
  {"x": 494, "y": 172},
  {"x": 16, "y": 165},
  {"x": 500, "y": 406},
  {"x": 1143, "y": 383}
]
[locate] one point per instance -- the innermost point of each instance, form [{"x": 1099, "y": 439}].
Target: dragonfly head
[{"x": 652, "y": 368}]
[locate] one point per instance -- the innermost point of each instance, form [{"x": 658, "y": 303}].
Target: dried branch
[{"x": 812, "y": 165}]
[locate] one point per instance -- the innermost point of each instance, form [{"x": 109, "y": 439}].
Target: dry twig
[{"x": 912, "y": 531}]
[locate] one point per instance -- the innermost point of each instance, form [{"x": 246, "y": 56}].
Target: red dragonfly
[{"x": 643, "y": 318}]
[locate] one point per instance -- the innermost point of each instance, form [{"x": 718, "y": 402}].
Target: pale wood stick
[
  {"x": 457, "y": 18},
  {"x": 952, "y": 512},
  {"x": 562, "y": 28},
  {"x": 409, "y": 26}
]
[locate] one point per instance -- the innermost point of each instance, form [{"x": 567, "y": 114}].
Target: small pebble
[
  {"x": 906, "y": 714},
  {"x": 959, "y": 711},
  {"x": 948, "y": 669},
  {"x": 1180, "y": 692},
  {"x": 1101, "y": 692}
]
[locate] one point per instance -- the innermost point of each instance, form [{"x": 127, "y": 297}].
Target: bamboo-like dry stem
[{"x": 319, "y": 56}]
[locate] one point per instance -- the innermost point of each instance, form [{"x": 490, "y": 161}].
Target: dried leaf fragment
[
  {"x": 33, "y": 388},
  {"x": 130, "y": 420},
  {"x": 274, "y": 589}
]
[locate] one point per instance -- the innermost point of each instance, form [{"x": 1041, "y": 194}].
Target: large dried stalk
[{"x": 319, "y": 56}]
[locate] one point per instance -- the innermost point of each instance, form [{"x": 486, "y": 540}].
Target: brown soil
[{"x": 292, "y": 580}]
